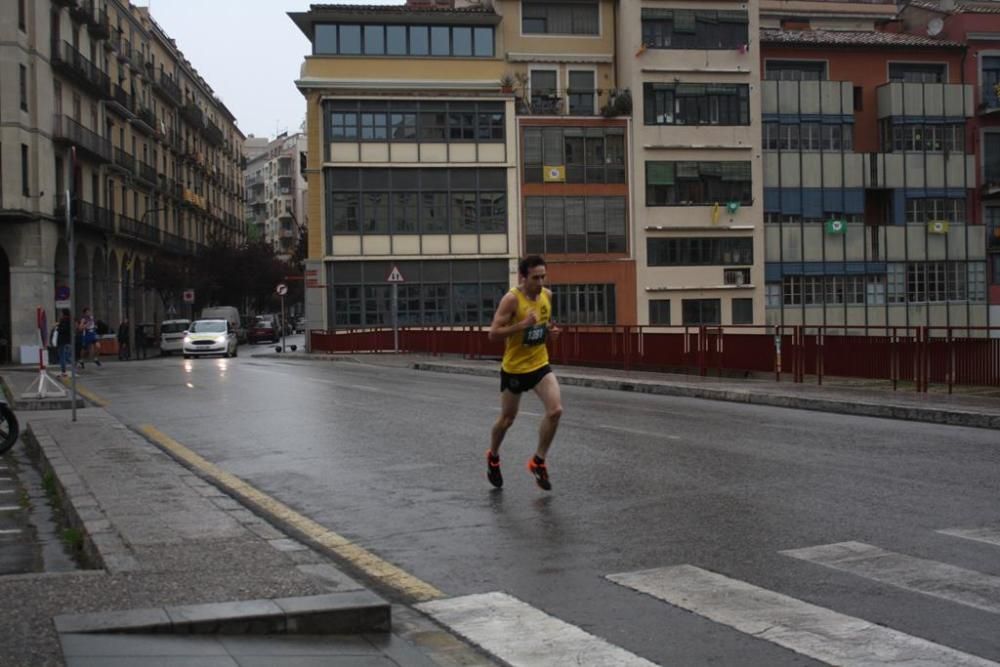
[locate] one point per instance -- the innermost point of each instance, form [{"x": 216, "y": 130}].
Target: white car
[
  {"x": 210, "y": 337},
  {"x": 172, "y": 335}
]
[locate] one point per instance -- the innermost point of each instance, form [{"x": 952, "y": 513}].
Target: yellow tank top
[{"x": 525, "y": 351}]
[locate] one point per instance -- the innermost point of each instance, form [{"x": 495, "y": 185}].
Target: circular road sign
[{"x": 281, "y": 289}]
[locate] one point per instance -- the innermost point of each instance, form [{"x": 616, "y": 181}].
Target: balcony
[
  {"x": 69, "y": 61},
  {"x": 168, "y": 88},
  {"x": 87, "y": 214},
  {"x": 176, "y": 244},
  {"x": 138, "y": 229},
  {"x": 147, "y": 173},
  {"x": 124, "y": 161},
  {"x": 540, "y": 105},
  {"x": 100, "y": 27},
  {"x": 192, "y": 198},
  {"x": 193, "y": 115},
  {"x": 124, "y": 50},
  {"x": 950, "y": 100},
  {"x": 67, "y": 130},
  {"x": 736, "y": 277},
  {"x": 137, "y": 59},
  {"x": 213, "y": 134},
  {"x": 121, "y": 102},
  {"x": 82, "y": 12},
  {"x": 146, "y": 121}
]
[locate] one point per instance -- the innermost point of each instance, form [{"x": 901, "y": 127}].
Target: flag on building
[
  {"x": 938, "y": 227},
  {"x": 835, "y": 226},
  {"x": 716, "y": 212},
  {"x": 555, "y": 173}
]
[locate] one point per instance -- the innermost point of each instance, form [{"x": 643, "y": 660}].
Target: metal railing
[
  {"x": 138, "y": 230},
  {"x": 147, "y": 172},
  {"x": 124, "y": 160},
  {"x": 71, "y": 61},
  {"x": 166, "y": 83},
  {"x": 65, "y": 128}
]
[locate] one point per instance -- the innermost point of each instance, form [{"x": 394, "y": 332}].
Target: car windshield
[
  {"x": 264, "y": 324},
  {"x": 173, "y": 327},
  {"x": 208, "y": 326}
]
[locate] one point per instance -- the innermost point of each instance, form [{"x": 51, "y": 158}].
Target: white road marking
[
  {"x": 9, "y": 531},
  {"x": 805, "y": 628},
  {"x": 989, "y": 534},
  {"x": 635, "y": 431},
  {"x": 523, "y": 636},
  {"x": 9, "y": 508},
  {"x": 973, "y": 589},
  {"x": 6, "y": 490}
]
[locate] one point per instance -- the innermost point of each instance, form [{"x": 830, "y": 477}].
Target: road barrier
[{"x": 952, "y": 356}]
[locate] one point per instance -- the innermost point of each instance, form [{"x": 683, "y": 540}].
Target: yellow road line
[
  {"x": 87, "y": 394},
  {"x": 373, "y": 566}
]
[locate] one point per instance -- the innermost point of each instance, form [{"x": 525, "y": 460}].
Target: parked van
[
  {"x": 172, "y": 335},
  {"x": 231, "y": 315}
]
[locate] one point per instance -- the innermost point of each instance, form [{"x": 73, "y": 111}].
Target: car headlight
[
  {"x": 220, "y": 339},
  {"x": 187, "y": 340}
]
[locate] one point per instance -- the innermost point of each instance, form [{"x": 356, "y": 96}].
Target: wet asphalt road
[{"x": 394, "y": 459}]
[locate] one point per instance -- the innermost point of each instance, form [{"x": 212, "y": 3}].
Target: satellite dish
[{"x": 935, "y": 26}]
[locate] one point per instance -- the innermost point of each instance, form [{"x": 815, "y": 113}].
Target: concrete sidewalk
[
  {"x": 183, "y": 573},
  {"x": 854, "y": 397}
]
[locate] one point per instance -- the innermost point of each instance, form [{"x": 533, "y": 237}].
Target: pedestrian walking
[
  {"x": 523, "y": 320},
  {"x": 123, "y": 348},
  {"x": 64, "y": 340},
  {"x": 88, "y": 328}
]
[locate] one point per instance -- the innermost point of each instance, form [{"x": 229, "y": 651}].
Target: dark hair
[
  {"x": 66, "y": 313},
  {"x": 528, "y": 263}
]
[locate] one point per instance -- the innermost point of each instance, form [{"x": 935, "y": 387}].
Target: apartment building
[
  {"x": 573, "y": 175},
  {"x": 157, "y": 159},
  {"x": 275, "y": 187},
  {"x": 977, "y": 26},
  {"x": 693, "y": 69},
  {"x": 412, "y": 164},
  {"x": 869, "y": 171}
]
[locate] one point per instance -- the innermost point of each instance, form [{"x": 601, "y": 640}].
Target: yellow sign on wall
[{"x": 554, "y": 173}]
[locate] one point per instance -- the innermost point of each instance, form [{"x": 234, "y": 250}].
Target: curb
[
  {"x": 950, "y": 417},
  {"x": 350, "y": 612}
]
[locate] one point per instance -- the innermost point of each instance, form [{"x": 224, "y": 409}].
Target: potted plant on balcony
[{"x": 507, "y": 83}]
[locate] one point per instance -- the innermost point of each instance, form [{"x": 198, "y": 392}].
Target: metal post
[
  {"x": 71, "y": 242},
  {"x": 395, "y": 317},
  {"x": 282, "y": 324}
]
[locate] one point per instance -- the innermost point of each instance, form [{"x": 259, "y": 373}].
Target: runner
[{"x": 524, "y": 321}]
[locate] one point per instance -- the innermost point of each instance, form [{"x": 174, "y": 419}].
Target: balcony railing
[
  {"x": 175, "y": 243},
  {"x": 166, "y": 85},
  {"x": 68, "y": 130},
  {"x": 147, "y": 173},
  {"x": 736, "y": 277},
  {"x": 124, "y": 160},
  {"x": 138, "y": 230},
  {"x": 541, "y": 105},
  {"x": 100, "y": 27},
  {"x": 192, "y": 114},
  {"x": 122, "y": 99},
  {"x": 86, "y": 214},
  {"x": 138, "y": 60},
  {"x": 213, "y": 134},
  {"x": 148, "y": 123},
  {"x": 71, "y": 62}
]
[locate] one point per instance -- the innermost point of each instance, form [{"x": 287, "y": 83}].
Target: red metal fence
[{"x": 921, "y": 355}]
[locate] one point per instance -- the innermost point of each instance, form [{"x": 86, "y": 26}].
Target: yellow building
[{"x": 411, "y": 163}]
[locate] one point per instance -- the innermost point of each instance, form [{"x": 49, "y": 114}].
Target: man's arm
[
  {"x": 554, "y": 329},
  {"x": 499, "y": 328}
]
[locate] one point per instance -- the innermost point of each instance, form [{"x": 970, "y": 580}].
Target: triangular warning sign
[{"x": 395, "y": 276}]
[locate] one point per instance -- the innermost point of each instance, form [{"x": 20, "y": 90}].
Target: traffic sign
[
  {"x": 281, "y": 289},
  {"x": 189, "y": 296},
  {"x": 62, "y": 293},
  {"x": 395, "y": 276}
]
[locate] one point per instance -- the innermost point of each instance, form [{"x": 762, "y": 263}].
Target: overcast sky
[{"x": 248, "y": 51}]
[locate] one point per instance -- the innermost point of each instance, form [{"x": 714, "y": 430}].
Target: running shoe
[
  {"x": 493, "y": 469},
  {"x": 537, "y": 468}
]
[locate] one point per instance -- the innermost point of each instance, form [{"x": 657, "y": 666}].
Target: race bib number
[{"x": 536, "y": 335}]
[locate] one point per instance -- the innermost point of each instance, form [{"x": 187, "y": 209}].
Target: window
[
  {"x": 436, "y": 292},
  {"x": 694, "y": 29},
  {"x": 590, "y": 155},
  {"x": 794, "y": 70},
  {"x": 417, "y": 201},
  {"x": 991, "y": 158},
  {"x": 23, "y": 83},
  {"x": 742, "y": 311},
  {"x": 991, "y": 81},
  {"x": 21, "y": 23},
  {"x": 583, "y": 304},
  {"x": 659, "y": 312},
  {"x": 696, "y": 104},
  {"x": 575, "y": 224},
  {"x": 25, "y": 190},
  {"x": 772, "y": 294},
  {"x": 697, "y": 183},
  {"x": 404, "y": 121},
  {"x": 397, "y": 40},
  {"x": 560, "y": 18},
  {"x": 949, "y": 137},
  {"x": 932, "y": 209},
  {"x": 697, "y": 312},
  {"x": 581, "y": 93},
  {"x": 918, "y": 72},
  {"x": 699, "y": 251}
]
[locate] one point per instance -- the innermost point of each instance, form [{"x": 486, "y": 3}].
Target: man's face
[{"x": 535, "y": 280}]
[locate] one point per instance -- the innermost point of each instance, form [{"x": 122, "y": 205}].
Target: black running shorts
[{"x": 517, "y": 383}]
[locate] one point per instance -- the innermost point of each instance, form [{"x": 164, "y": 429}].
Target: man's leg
[
  {"x": 509, "y": 402},
  {"x": 548, "y": 391}
]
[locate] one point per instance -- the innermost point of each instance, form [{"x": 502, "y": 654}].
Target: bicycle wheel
[{"x": 9, "y": 428}]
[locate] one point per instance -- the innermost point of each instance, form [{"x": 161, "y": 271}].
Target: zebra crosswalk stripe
[
  {"x": 988, "y": 534},
  {"x": 973, "y": 589},
  {"x": 523, "y": 636},
  {"x": 802, "y": 627}
]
